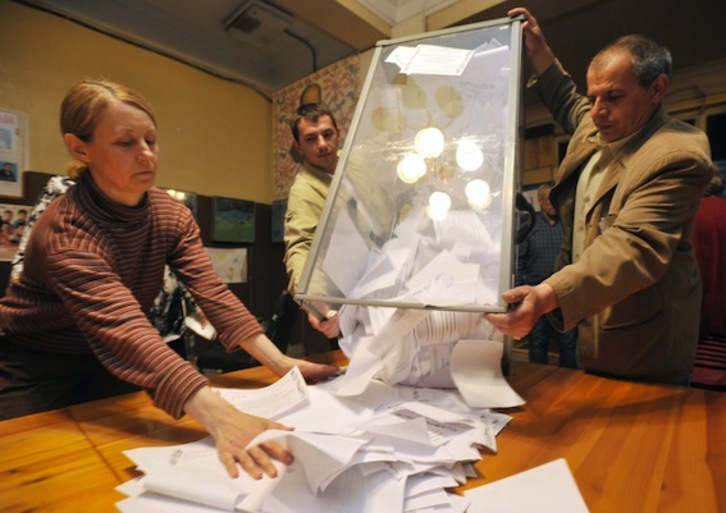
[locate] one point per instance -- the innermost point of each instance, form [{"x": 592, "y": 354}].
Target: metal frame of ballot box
[{"x": 421, "y": 211}]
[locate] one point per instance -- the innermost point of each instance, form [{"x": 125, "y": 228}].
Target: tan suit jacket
[{"x": 635, "y": 293}]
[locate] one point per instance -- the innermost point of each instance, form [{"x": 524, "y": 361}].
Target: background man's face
[
  {"x": 546, "y": 205},
  {"x": 319, "y": 143}
]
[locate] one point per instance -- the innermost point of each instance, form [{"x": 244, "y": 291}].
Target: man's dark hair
[
  {"x": 650, "y": 59},
  {"x": 311, "y": 112}
]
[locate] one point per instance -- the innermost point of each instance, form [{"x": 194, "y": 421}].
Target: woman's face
[{"x": 122, "y": 155}]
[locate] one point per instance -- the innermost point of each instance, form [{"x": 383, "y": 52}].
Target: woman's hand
[
  {"x": 233, "y": 430},
  {"x": 312, "y": 372},
  {"x": 264, "y": 351}
]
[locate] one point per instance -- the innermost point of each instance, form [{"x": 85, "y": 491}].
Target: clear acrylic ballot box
[{"x": 421, "y": 210}]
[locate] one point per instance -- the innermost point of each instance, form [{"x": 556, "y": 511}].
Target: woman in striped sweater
[{"x": 73, "y": 323}]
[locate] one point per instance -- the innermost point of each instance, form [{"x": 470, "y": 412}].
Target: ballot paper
[
  {"x": 549, "y": 488},
  {"x": 270, "y": 402},
  {"x": 423, "y": 347},
  {"x": 390, "y": 448},
  {"x": 431, "y": 60},
  {"x": 477, "y": 371}
]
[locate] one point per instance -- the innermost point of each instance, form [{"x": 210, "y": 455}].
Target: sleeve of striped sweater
[
  {"x": 119, "y": 333},
  {"x": 230, "y": 318}
]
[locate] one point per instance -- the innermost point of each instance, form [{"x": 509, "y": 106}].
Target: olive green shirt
[{"x": 304, "y": 207}]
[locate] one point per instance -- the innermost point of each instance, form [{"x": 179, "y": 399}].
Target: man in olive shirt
[{"x": 316, "y": 138}]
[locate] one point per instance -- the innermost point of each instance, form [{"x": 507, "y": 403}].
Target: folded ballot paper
[
  {"x": 549, "y": 488},
  {"x": 390, "y": 448}
]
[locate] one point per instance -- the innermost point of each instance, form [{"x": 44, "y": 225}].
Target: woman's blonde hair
[{"x": 82, "y": 106}]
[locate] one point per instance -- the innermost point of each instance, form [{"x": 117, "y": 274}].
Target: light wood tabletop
[{"x": 632, "y": 447}]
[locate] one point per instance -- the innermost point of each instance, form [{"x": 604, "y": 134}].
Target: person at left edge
[{"x": 94, "y": 264}]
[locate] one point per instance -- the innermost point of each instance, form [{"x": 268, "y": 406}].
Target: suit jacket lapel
[
  {"x": 574, "y": 160},
  {"x": 616, "y": 170},
  {"x": 613, "y": 174}
]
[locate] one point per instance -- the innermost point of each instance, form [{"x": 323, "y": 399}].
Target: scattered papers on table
[{"x": 390, "y": 448}]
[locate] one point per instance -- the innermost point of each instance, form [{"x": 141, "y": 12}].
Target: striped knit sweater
[{"x": 93, "y": 267}]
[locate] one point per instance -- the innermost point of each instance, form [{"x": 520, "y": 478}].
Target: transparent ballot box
[{"x": 421, "y": 208}]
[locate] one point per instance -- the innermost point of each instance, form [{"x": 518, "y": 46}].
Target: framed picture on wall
[
  {"x": 188, "y": 198},
  {"x": 12, "y": 222},
  {"x": 233, "y": 220},
  {"x": 279, "y": 207}
]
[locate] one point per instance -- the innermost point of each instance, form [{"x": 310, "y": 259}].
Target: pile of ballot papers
[{"x": 387, "y": 448}]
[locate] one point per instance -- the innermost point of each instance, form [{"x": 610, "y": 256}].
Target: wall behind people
[
  {"x": 337, "y": 86},
  {"x": 258, "y": 292},
  {"x": 216, "y": 134}
]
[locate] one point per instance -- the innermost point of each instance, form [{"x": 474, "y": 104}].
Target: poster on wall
[
  {"x": 13, "y": 151},
  {"x": 12, "y": 222},
  {"x": 229, "y": 264}
]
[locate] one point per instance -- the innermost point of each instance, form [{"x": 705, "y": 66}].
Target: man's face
[
  {"x": 620, "y": 105},
  {"x": 319, "y": 143},
  {"x": 546, "y": 205}
]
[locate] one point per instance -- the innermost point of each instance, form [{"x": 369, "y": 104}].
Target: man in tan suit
[{"x": 627, "y": 191}]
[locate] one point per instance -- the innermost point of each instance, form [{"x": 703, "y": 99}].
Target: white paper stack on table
[{"x": 388, "y": 449}]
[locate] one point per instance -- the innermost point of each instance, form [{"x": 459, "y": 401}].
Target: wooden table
[{"x": 632, "y": 447}]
